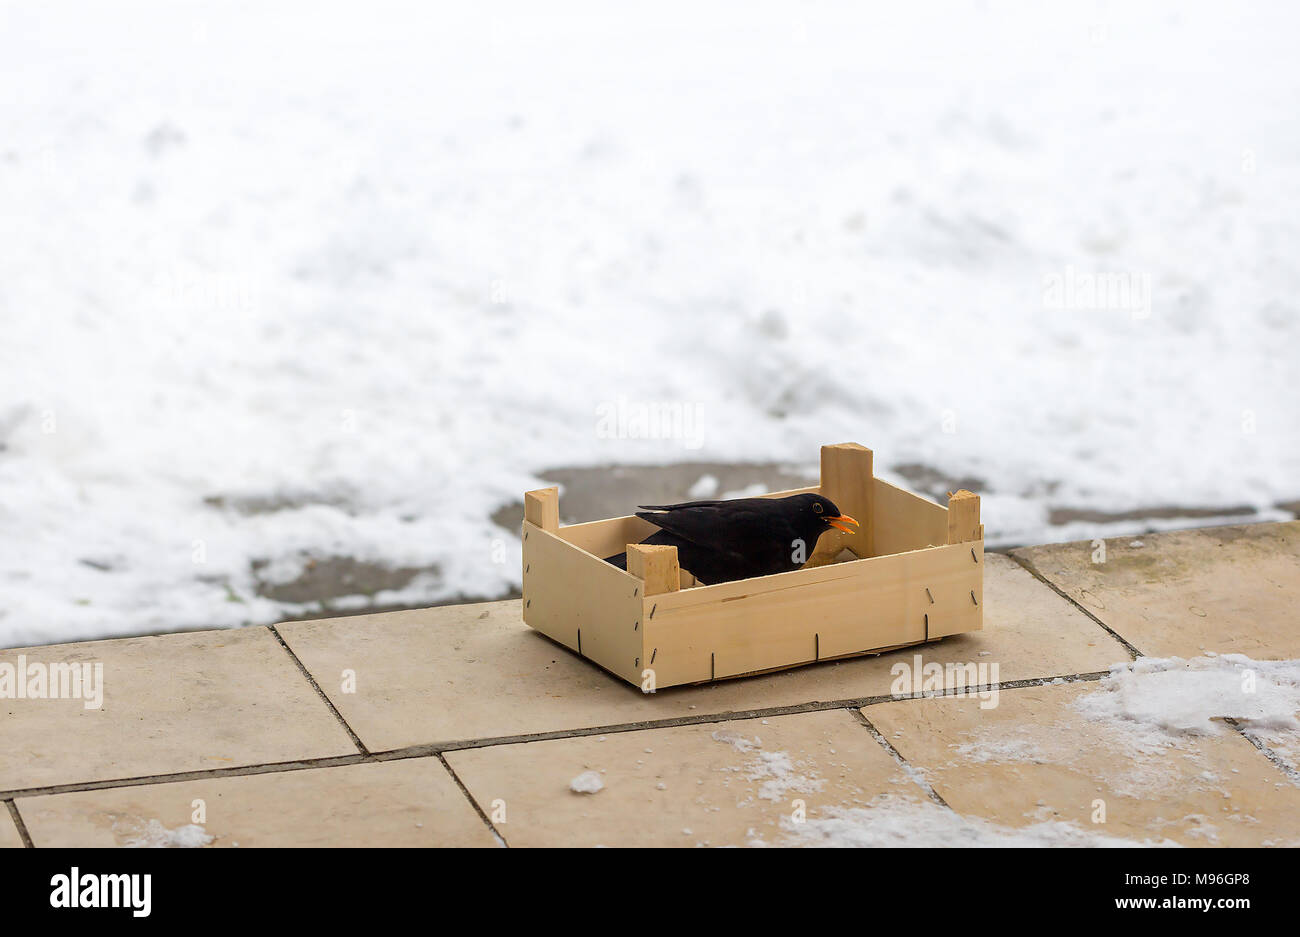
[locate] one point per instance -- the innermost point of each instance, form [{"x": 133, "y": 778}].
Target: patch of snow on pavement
[
  {"x": 737, "y": 741},
  {"x": 899, "y": 822},
  {"x": 156, "y": 836},
  {"x": 589, "y": 782},
  {"x": 779, "y": 776},
  {"x": 996, "y": 749},
  {"x": 1169, "y": 697}
]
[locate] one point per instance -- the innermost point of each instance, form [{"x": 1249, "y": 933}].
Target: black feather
[{"x": 722, "y": 541}]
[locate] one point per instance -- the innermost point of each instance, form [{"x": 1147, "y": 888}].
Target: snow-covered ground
[{"x": 370, "y": 267}]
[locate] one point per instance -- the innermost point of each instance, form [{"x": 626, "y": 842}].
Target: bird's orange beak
[{"x": 842, "y": 523}]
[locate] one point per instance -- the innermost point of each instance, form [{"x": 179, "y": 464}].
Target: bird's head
[{"x": 823, "y": 511}]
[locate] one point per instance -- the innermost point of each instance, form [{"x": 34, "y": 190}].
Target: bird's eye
[{"x": 817, "y": 507}]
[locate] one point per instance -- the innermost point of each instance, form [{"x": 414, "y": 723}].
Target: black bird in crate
[{"x": 721, "y": 541}]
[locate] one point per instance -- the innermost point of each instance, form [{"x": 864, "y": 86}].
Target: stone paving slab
[
  {"x": 411, "y": 802},
  {"x": 1183, "y": 593},
  {"x": 9, "y": 837},
  {"x": 465, "y": 675},
  {"x": 476, "y": 671},
  {"x": 722, "y": 784},
  {"x": 172, "y": 703},
  {"x": 1034, "y": 758}
]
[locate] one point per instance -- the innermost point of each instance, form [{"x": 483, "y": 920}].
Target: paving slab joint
[
  {"x": 435, "y": 749},
  {"x": 473, "y": 802},
  {"x": 1030, "y": 568},
  {"x": 18, "y": 822},
  {"x": 356, "y": 740},
  {"x": 1279, "y": 762},
  {"x": 894, "y": 753}
]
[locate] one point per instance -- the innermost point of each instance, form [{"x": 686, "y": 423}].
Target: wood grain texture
[
  {"x": 607, "y": 537},
  {"x": 904, "y": 521}
]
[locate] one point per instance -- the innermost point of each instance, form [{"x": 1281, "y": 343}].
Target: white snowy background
[{"x": 373, "y": 266}]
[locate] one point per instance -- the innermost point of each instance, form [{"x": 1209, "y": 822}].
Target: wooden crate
[{"x": 913, "y": 573}]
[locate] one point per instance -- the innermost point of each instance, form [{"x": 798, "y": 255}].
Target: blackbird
[{"x": 721, "y": 541}]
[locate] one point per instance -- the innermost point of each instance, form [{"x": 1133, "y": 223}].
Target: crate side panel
[
  {"x": 567, "y": 591},
  {"x": 866, "y": 606},
  {"x": 889, "y": 608},
  {"x": 903, "y": 521},
  {"x": 608, "y": 537},
  {"x": 958, "y": 590},
  {"x": 897, "y": 593},
  {"x": 726, "y": 591},
  {"x": 757, "y": 632},
  {"x": 796, "y": 618}
]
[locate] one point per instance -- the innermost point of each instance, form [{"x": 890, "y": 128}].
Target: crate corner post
[
  {"x": 541, "y": 513},
  {"x": 964, "y": 517},
  {"x": 848, "y": 479},
  {"x": 656, "y": 566},
  {"x": 966, "y": 541},
  {"x": 542, "y": 508}
]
